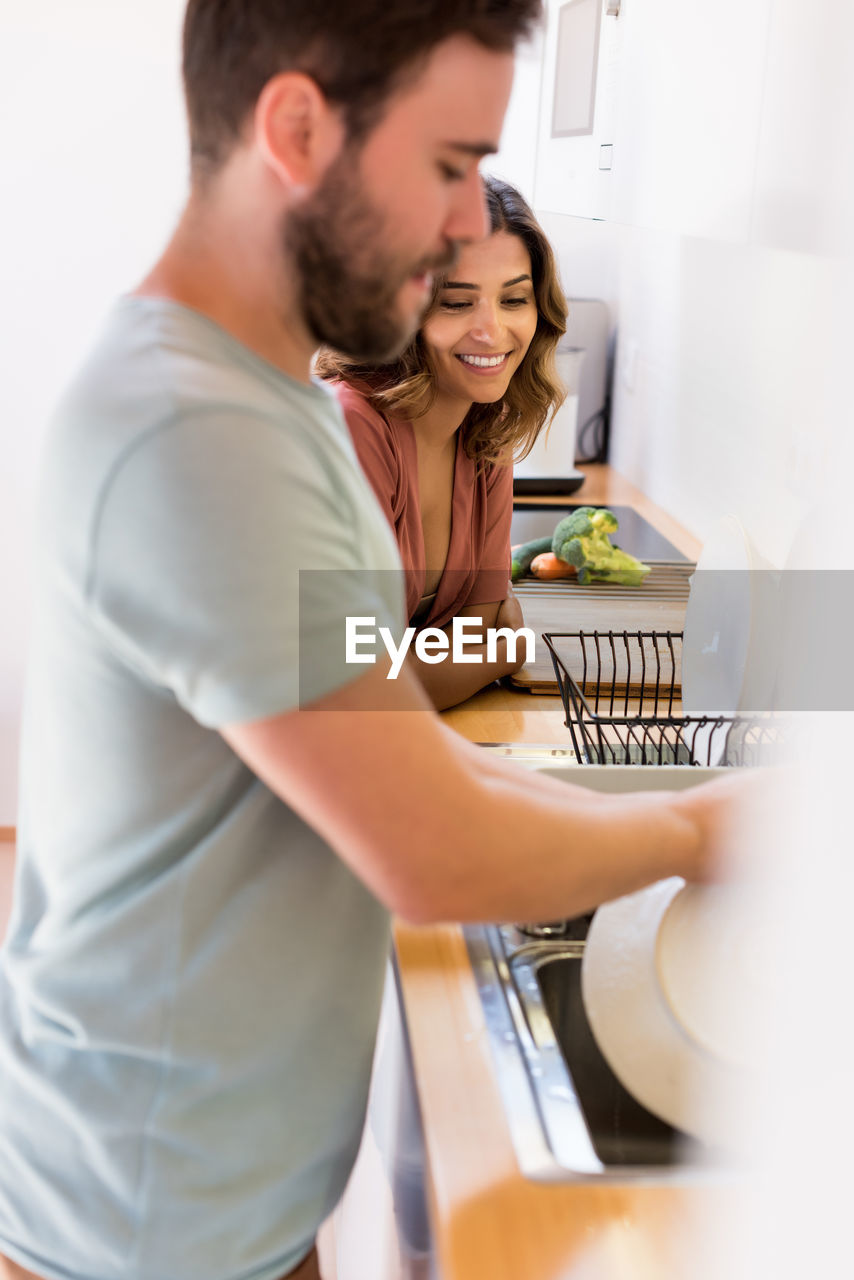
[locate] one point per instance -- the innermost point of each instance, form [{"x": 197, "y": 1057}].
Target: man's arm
[{"x": 439, "y": 832}]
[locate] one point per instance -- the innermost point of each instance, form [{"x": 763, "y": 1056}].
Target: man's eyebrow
[
  {"x": 478, "y": 149},
  {"x": 463, "y": 284}
]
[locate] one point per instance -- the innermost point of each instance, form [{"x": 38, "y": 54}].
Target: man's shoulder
[
  {"x": 159, "y": 372},
  {"x": 187, "y": 358},
  {"x": 164, "y": 403}
]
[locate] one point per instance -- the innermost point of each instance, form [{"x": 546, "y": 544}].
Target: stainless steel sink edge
[
  {"x": 546, "y": 1122},
  {"x": 527, "y": 1131}
]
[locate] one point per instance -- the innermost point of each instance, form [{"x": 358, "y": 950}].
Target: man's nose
[{"x": 468, "y": 219}]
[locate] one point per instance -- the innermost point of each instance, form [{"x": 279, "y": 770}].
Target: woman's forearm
[{"x": 447, "y": 683}]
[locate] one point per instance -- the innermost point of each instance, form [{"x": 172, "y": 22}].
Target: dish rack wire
[{"x": 622, "y": 701}]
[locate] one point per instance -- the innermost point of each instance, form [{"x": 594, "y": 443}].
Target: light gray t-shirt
[{"x": 190, "y": 986}]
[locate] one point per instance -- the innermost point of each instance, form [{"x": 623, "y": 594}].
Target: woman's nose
[{"x": 487, "y": 324}]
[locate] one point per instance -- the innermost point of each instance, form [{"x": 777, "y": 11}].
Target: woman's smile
[{"x": 486, "y": 364}]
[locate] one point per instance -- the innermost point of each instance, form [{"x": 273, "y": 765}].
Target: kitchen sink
[
  {"x": 569, "y": 1116},
  {"x": 621, "y": 1130}
]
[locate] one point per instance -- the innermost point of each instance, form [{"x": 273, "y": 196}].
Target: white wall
[
  {"x": 723, "y": 370},
  {"x": 517, "y": 157},
  {"x": 92, "y": 176}
]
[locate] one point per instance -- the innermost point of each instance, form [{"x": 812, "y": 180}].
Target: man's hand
[{"x": 737, "y": 817}]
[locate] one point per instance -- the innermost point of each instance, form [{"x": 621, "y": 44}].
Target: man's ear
[{"x": 299, "y": 134}]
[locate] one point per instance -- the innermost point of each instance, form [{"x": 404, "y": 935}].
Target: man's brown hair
[{"x": 357, "y": 51}]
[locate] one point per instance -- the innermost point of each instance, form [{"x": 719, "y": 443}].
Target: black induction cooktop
[{"x": 635, "y": 535}]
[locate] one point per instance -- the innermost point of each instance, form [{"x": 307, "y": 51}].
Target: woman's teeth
[{"x": 484, "y": 362}]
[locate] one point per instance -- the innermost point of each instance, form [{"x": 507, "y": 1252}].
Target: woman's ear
[{"x": 297, "y": 131}]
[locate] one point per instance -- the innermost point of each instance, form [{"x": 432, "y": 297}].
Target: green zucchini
[{"x": 524, "y": 554}]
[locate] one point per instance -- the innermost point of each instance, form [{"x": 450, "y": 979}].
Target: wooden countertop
[{"x": 488, "y": 1220}]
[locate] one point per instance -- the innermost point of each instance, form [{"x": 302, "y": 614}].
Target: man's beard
[{"x": 348, "y": 283}]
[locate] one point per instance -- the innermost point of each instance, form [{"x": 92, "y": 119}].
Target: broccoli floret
[{"x": 582, "y": 540}]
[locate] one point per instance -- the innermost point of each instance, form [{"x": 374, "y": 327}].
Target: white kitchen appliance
[
  {"x": 582, "y": 366},
  {"x": 550, "y": 466}
]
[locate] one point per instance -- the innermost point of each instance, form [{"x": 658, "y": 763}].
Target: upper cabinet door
[
  {"x": 728, "y": 121},
  {"x": 575, "y": 145},
  {"x": 675, "y": 107},
  {"x": 804, "y": 188},
  {"x": 688, "y": 107}
]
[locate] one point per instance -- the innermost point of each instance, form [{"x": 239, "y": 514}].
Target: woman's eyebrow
[{"x": 462, "y": 284}]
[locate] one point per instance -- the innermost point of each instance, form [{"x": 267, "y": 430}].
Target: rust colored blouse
[{"x": 477, "y": 568}]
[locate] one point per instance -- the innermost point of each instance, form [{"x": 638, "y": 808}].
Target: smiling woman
[
  {"x": 481, "y": 326},
  {"x": 438, "y": 429}
]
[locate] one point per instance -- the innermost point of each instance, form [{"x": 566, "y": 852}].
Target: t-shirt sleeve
[
  {"x": 225, "y": 561},
  {"x": 493, "y": 574},
  {"x": 371, "y": 436}
]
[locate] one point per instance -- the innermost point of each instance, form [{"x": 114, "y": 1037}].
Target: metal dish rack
[{"x": 621, "y": 692}]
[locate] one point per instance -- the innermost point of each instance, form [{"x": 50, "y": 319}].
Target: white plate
[{"x": 662, "y": 983}]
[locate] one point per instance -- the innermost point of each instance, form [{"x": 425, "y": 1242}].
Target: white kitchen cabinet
[
  {"x": 688, "y": 114},
  {"x": 804, "y": 188},
  {"x": 725, "y": 121},
  {"x": 579, "y": 62}
]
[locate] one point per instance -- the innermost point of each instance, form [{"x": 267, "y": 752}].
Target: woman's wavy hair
[{"x": 508, "y": 428}]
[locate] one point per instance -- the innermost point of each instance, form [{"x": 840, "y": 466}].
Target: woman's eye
[
  {"x": 454, "y": 306},
  {"x": 450, "y": 173},
  {"x": 517, "y": 302}
]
